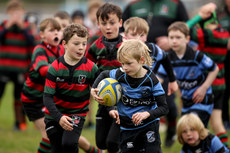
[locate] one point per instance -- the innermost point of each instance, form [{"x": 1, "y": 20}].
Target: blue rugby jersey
[
  {"x": 138, "y": 95},
  {"x": 191, "y": 72},
  {"x": 211, "y": 144}
]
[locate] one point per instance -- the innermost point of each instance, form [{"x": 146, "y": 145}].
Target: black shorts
[
  {"x": 142, "y": 140},
  {"x": 62, "y": 140},
  {"x": 204, "y": 116},
  {"x": 218, "y": 99},
  {"x": 34, "y": 110},
  {"x": 17, "y": 79}
]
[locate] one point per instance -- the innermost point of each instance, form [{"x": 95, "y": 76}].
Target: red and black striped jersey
[
  {"x": 103, "y": 52},
  {"x": 68, "y": 87},
  {"x": 16, "y": 46},
  {"x": 43, "y": 55},
  {"x": 214, "y": 44}
]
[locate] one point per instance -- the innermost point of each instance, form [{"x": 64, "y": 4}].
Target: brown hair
[
  {"x": 106, "y": 9},
  {"x": 136, "y": 49},
  {"x": 73, "y": 29},
  {"x": 181, "y": 26},
  {"x": 63, "y": 15},
  {"x": 193, "y": 121},
  {"x": 49, "y": 21},
  {"x": 136, "y": 24},
  {"x": 14, "y": 5},
  {"x": 94, "y": 4}
]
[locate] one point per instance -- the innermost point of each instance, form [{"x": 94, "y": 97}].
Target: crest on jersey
[
  {"x": 164, "y": 9},
  {"x": 150, "y": 136},
  {"x": 81, "y": 79},
  {"x": 145, "y": 92}
]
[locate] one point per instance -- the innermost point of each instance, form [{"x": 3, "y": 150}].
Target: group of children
[{"x": 57, "y": 90}]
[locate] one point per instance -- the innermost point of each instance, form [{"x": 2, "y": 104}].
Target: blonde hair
[
  {"x": 14, "y": 5},
  {"x": 136, "y": 24},
  {"x": 94, "y": 4},
  {"x": 193, "y": 121},
  {"x": 136, "y": 49}
]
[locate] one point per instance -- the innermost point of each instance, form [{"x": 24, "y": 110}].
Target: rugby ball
[{"x": 110, "y": 90}]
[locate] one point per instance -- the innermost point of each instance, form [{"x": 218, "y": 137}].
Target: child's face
[
  {"x": 132, "y": 67},
  {"x": 110, "y": 27},
  {"x": 17, "y": 14},
  {"x": 190, "y": 136},
  {"x": 75, "y": 48},
  {"x": 51, "y": 36},
  {"x": 63, "y": 23},
  {"x": 177, "y": 40},
  {"x": 131, "y": 34}
]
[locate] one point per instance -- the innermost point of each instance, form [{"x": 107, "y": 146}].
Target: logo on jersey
[
  {"x": 150, "y": 136},
  {"x": 76, "y": 120},
  {"x": 198, "y": 150},
  {"x": 130, "y": 145},
  {"x": 145, "y": 92},
  {"x": 164, "y": 9},
  {"x": 58, "y": 79},
  {"x": 81, "y": 79}
]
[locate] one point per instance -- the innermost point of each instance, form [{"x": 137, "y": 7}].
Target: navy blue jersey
[
  {"x": 138, "y": 95},
  {"x": 191, "y": 72},
  {"x": 211, "y": 144}
]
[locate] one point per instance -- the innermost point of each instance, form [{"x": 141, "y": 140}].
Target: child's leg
[
  {"x": 85, "y": 145},
  {"x": 216, "y": 118},
  {"x": 44, "y": 146},
  {"x": 20, "y": 118},
  {"x": 55, "y": 133},
  {"x": 218, "y": 126}
]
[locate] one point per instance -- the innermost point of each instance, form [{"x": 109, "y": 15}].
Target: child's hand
[
  {"x": 138, "y": 117},
  {"x": 94, "y": 92},
  {"x": 172, "y": 87},
  {"x": 65, "y": 123},
  {"x": 199, "y": 95},
  {"x": 207, "y": 10},
  {"x": 163, "y": 42},
  {"x": 114, "y": 114}
]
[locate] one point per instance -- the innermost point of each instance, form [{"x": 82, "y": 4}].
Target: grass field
[{"x": 27, "y": 141}]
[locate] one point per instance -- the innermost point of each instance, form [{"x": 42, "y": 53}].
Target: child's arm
[
  {"x": 94, "y": 90},
  {"x": 172, "y": 86},
  {"x": 161, "y": 110},
  {"x": 205, "y": 12},
  {"x": 200, "y": 93}
]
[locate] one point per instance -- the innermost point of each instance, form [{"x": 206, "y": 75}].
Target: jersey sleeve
[
  {"x": 217, "y": 146},
  {"x": 50, "y": 90},
  {"x": 206, "y": 62},
  {"x": 39, "y": 58},
  {"x": 90, "y": 53}
]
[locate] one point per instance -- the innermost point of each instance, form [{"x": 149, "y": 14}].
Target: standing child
[
  {"x": 212, "y": 40},
  {"x": 194, "y": 72},
  {"x": 195, "y": 137},
  {"x": 138, "y": 28},
  {"x": 16, "y": 45},
  {"x": 32, "y": 94},
  {"x": 64, "y": 20},
  {"x": 67, "y": 91},
  {"x": 104, "y": 53},
  {"x": 143, "y": 99}
]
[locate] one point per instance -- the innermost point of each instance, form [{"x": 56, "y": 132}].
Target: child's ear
[
  {"x": 121, "y": 21},
  {"x": 64, "y": 43},
  {"x": 41, "y": 33},
  {"x": 142, "y": 60},
  {"x": 188, "y": 39}
]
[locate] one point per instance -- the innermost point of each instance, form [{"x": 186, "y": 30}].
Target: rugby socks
[
  {"x": 44, "y": 146},
  {"x": 224, "y": 138},
  {"x": 19, "y": 116},
  {"x": 92, "y": 149}
]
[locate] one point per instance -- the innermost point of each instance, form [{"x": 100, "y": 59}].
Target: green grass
[{"x": 27, "y": 141}]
